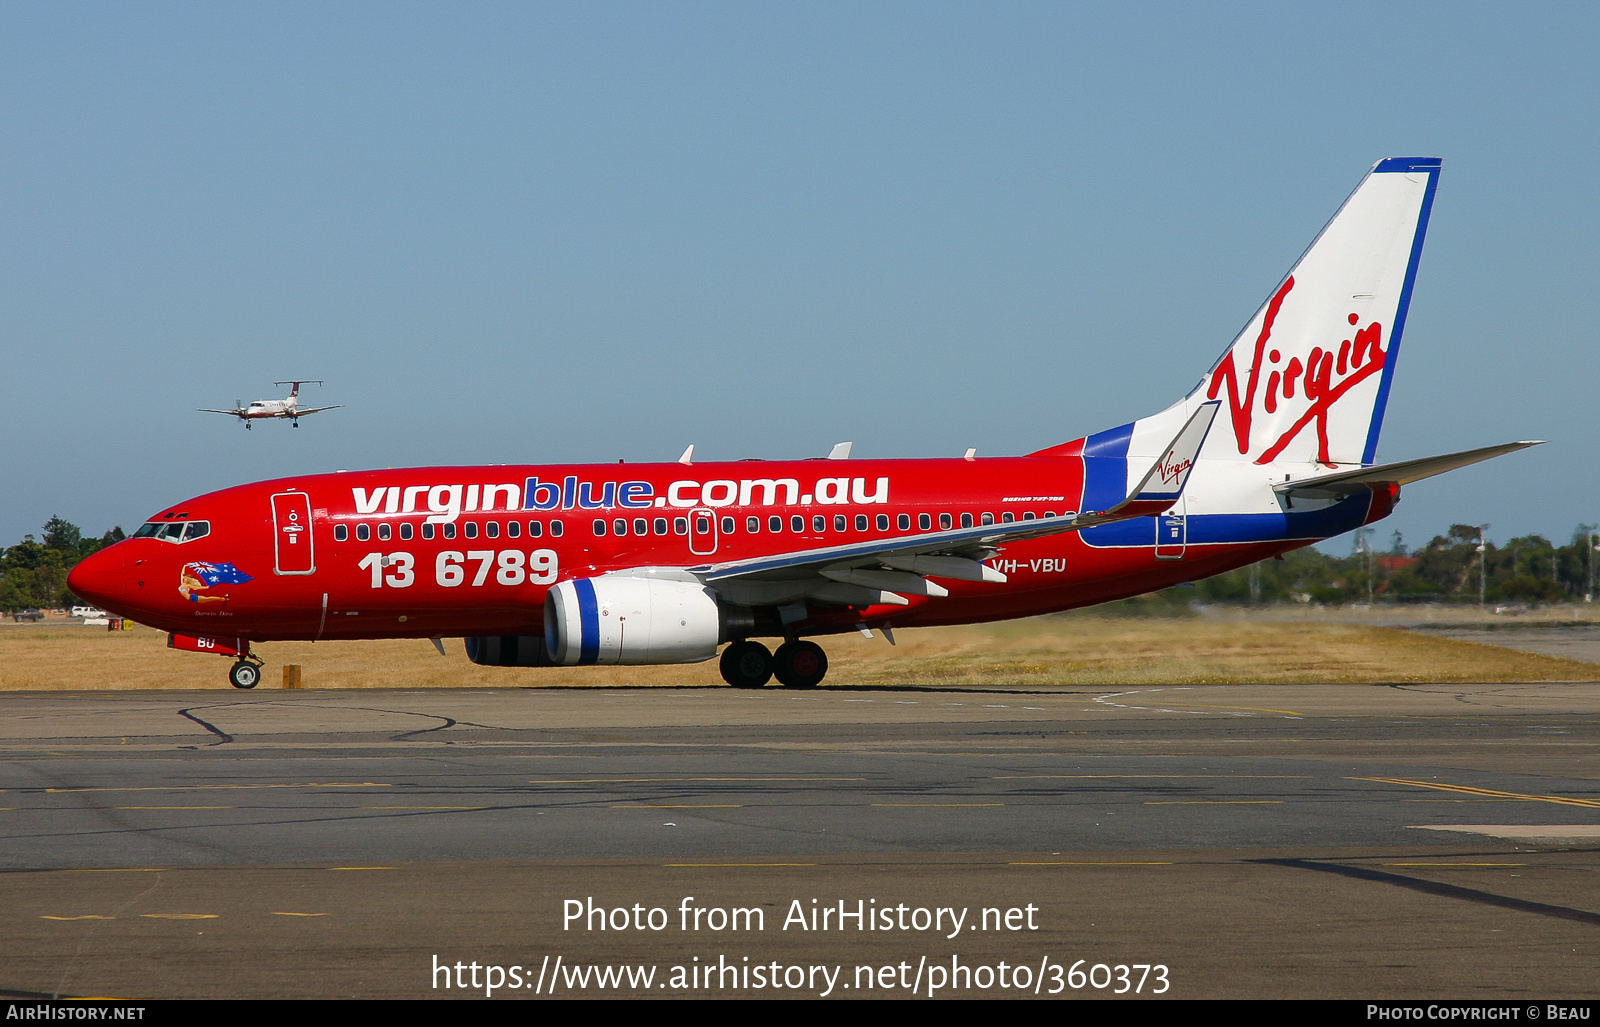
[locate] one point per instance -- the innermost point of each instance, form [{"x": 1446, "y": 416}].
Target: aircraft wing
[
  {"x": 315, "y": 410},
  {"x": 1343, "y": 483},
  {"x": 880, "y": 570},
  {"x": 204, "y": 410}
]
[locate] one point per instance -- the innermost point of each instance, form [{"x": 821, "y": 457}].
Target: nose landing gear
[
  {"x": 246, "y": 671},
  {"x": 747, "y": 664},
  {"x": 244, "y": 674}
]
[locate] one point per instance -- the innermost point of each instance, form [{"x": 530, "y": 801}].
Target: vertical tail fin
[{"x": 1308, "y": 378}]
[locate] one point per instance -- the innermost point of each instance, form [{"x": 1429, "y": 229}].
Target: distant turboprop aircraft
[{"x": 289, "y": 407}]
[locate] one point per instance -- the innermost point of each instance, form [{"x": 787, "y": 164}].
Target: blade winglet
[
  {"x": 906, "y": 552},
  {"x": 1163, "y": 483}
]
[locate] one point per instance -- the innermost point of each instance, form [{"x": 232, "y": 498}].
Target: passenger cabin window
[
  {"x": 966, "y": 520},
  {"x": 535, "y": 529},
  {"x": 363, "y": 532},
  {"x": 1028, "y": 516},
  {"x": 774, "y": 524},
  {"x": 1007, "y": 517},
  {"x": 471, "y": 528},
  {"x": 752, "y": 524},
  {"x": 819, "y": 524},
  {"x": 384, "y": 531},
  {"x": 513, "y": 529},
  {"x": 944, "y": 522},
  {"x": 427, "y": 530},
  {"x": 883, "y": 522},
  {"x": 406, "y": 531},
  {"x": 861, "y": 522},
  {"x": 492, "y": 529},
  {"x": 680, "y": 525},
  {"x": 925, "y": 522},
  {"x": 620, "y": 526},
  {"x": 797, "y": 524},
  {"x": 449, "y": 531},
  {"x": 727, "y": 525},
  {"x": 838, "y": 522},
  {"x": 904, "y": 522},
  {"x": 599, "y": 526},
  {"x": 558, "y": 528},
  {"x": 988, "y": 518},
  {"x": 660, "y": 525},
  {"x": 340, "y": 532},
  {"x": 641, "y": 526}
]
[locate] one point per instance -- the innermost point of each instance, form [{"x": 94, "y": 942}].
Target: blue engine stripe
[{"x": 588, "y": 621}]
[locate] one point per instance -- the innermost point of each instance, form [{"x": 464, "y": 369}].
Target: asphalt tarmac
[{"x": 1349, "y": 841}]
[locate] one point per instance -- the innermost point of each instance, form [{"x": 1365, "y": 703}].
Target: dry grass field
[{"x": 1069, "y": 650}]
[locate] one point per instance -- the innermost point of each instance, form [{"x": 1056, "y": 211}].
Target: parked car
[
  {"x": 87, "y": 612},
  {"x": 31, "y": 615}
]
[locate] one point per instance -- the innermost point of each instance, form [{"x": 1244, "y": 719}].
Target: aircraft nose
[{"x": 98, "y": 578}]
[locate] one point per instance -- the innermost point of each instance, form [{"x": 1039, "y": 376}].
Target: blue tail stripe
[
  {"x": 1105, "y": 468},
  {"x": 588, "y": 621},
  {"x": 1105, "y": 484},
  {"x": 1215, "y": 529},
  {"x": 1401, "y": 164}
]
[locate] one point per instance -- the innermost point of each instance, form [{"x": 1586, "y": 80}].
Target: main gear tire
[
  {"x": 800, "y": 664},
  {"x": 746, "y": 664}
]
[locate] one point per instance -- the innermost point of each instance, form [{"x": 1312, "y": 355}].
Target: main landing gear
[{"x": 747, "y": 664}]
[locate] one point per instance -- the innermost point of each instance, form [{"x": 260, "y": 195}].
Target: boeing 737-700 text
[{"x": 536, "y": 566}]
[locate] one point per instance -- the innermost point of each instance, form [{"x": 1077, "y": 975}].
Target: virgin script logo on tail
[{"x": 1320, "y": 382}]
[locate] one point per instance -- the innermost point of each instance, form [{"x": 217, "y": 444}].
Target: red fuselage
[{"x": 469, "y": 551}]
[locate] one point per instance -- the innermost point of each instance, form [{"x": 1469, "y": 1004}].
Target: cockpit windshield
[{"x": 174, "y": 531}]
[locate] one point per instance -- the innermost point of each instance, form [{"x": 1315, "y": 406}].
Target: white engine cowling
[{"x": 621, "y": 619}]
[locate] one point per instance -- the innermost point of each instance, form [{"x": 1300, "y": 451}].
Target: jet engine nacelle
[
  {"x": 508, "y": 651},
  {"x": 632, "y": 620}
]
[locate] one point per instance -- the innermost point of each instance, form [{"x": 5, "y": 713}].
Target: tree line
[
  {"x": 1451, "y": 568},
  {"x": 1459, "y": 566},
  {"x": 33, "y": 573}
]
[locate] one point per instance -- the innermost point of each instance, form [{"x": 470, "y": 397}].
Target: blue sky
[{"x": 528, "y": 233}]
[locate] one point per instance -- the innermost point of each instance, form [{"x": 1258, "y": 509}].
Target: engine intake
[{"x": 628, "y": 620}]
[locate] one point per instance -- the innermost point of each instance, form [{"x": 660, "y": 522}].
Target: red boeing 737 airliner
[{"x": 665, "y": 563}]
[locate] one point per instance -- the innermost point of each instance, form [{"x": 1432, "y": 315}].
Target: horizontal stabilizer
[{"x": 1402, "y": 473}]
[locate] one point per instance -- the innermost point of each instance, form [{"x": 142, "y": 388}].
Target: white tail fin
[{"x": 1308, "y": 378}]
